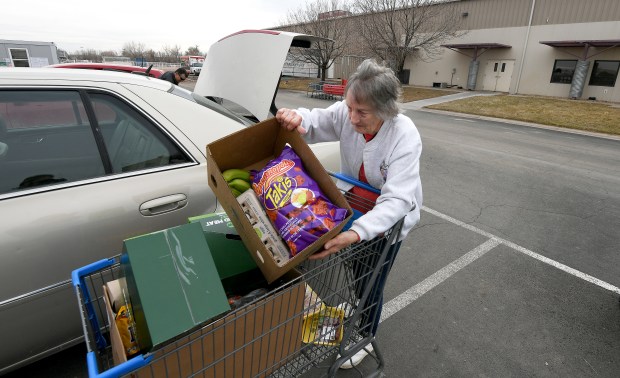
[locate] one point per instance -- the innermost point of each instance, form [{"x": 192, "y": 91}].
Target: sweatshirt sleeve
[{"x": 323, "y": 125}]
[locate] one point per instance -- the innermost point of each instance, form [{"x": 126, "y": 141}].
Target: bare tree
[
  {"x": 321, "y": 18},
  {"x": 150, "y": 55},
  {"x": 90, "y": 55},
  {"x": 108, "y": 53},
  {"x": 394, "y": 29},
  {"x": 134, "y": 49},
  {"x": 194, "y": 50},
  {"x": 171, "y": 54}
]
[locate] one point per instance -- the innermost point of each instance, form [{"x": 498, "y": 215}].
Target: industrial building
[
  {"x": 562, "y": 48},
  {"x": 15, "y": 53}
]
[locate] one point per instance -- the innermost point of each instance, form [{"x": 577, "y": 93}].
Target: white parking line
[
  {"x": 563, "y": 267},
  {"x": 415, "y": 292},
  {"x": 526, "y": 251}
]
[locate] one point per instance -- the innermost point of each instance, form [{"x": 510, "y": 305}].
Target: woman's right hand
[
  {"x": 342, "y": 240},
  {"x": 290, "y": 120}
]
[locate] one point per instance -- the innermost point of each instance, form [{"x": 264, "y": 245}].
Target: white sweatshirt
[{"x": 391, "y": 163}]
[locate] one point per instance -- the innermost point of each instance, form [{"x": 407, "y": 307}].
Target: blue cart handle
[
  {"x": 355, "y": 182},
  {"x": 78, "y": 274},
  {"x": 117, "y": 371},
  {"x": 78, "y": 277}
]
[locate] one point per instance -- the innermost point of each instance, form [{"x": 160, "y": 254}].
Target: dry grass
[
  {"x": 410, "y": 93},
  {"x": 574, "y": 114},
  {"x": 295, "y": 83}
]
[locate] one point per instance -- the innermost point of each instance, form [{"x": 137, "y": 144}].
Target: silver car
[{"x": 89, "y": 158}]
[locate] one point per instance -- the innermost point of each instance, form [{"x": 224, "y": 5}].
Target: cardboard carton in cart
[
  {"x": 253, "y": 148},
  {"x": 250, "y": 342}
]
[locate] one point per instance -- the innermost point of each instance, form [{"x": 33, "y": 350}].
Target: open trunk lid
[{"x": 245, "y": 68}]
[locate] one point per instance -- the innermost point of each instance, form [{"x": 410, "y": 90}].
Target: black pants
[{"x": 362, "y": 272}]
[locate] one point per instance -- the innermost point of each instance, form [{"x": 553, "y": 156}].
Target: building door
[{"x": 497, "y": 75}]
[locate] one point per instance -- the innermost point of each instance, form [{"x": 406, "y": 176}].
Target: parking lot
[{"x": 513, "y": 270}]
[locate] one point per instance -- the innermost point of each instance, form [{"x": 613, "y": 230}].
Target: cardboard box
[
  {"x": 255, "y": 212},
  {"x": 230, "y": 255},
  {"x": 253, "y": 148},
  {"x": 118, "y": 350},
  {"x": 173, "y": 283},
  {"x": 250, "y": 342}
]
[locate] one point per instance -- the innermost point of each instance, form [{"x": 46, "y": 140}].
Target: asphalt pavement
[{"x": 513, "y": 270}]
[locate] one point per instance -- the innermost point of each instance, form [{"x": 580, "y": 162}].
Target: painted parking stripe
[
  {"x": 564, "y": 268},
  {"x": 527, "y": 252},
  {"x": 415, "y": 292}
]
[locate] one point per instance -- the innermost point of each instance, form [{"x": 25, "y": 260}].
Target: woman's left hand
[{"x": 341, "y": 241}]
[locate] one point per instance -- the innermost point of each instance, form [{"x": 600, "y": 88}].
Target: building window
[
  {"x": 563, "y": 71},
  {"x": 604, "y": 73},
  {"x": 19, "y": 57}
]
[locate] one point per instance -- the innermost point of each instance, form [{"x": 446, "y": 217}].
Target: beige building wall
[
  {"x": 492, "y": 14},
  {"x": 529, "y": 63},
  {"x": 344, "y": 66},
  {"x": 425, "y": 73},
  {"x": 540, "y": 58}
]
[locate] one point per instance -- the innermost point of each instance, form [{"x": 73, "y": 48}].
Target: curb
[{"x": 521, "y": 123}]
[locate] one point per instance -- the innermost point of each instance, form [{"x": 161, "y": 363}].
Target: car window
[
  {"x": 47, "y": 138},
  {"x": 132, "y": 141}
]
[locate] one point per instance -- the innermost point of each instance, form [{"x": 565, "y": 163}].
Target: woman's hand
[
  {"x": 341, "y": 241},
  {"x": 290, "y": 120}
]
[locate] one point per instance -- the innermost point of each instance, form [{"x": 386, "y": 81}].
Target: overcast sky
[{"x": 109, "y": 24}]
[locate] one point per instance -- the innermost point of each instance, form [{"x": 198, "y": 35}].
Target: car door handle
[{"x": 163, "y": 204}]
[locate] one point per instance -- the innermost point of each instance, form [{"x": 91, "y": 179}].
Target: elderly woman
[{"x": 379, "y": 146}]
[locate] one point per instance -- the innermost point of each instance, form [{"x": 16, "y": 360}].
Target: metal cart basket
[{"x": 307, "y": 326}]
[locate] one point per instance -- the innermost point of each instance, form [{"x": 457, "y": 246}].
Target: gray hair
[{"x": 377, "y": 86}]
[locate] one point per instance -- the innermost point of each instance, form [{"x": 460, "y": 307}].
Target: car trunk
[{"x": 248, "y": 66}]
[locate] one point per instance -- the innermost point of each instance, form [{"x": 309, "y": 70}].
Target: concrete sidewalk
[{"x": 416, "y": 105}]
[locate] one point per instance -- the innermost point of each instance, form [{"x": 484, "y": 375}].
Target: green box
[
  {"x": 230, "y": 255},
  {"x": 172, "y": 282}
]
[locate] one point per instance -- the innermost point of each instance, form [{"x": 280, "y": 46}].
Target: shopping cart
[{"x": 307, "y": 326}]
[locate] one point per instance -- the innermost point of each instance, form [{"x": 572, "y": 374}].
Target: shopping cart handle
[
  {"x": 117, "y": 371},
  {"x": 355, "y": 182},
  {"x": 79, "y": 273}
]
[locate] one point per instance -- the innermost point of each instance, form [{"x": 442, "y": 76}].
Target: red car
[{"x": 153, "y": 72}]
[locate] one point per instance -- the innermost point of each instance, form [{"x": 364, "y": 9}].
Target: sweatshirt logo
[{"x": 384, "y": 170}]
